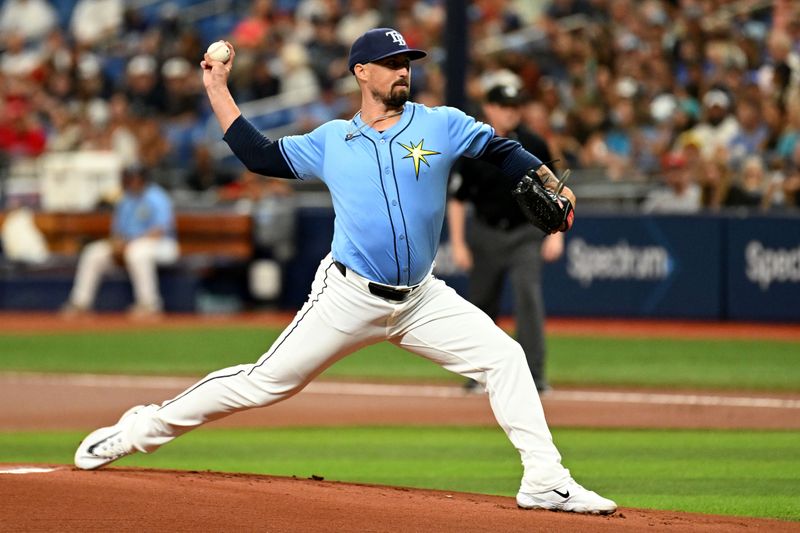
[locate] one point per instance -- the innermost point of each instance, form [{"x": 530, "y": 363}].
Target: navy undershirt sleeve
[
  {"x": 512, "y": 159},
  {"x": 259, "y": 154}
]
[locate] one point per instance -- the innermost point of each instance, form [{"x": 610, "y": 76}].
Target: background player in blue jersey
[
  {"x": 142, "y": 238},
  {"x": 387, "y": 171}
]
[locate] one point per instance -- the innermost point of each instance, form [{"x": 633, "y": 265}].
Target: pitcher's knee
[
  {"x": 509, "y": 356},
  {"x": 272, "y": 383},
  {"x": 512, "y": 351}
]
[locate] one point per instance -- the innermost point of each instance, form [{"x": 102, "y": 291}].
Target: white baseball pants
[
  {"x": 142, "y": 256},
  {"x": 341, "y": 316}
]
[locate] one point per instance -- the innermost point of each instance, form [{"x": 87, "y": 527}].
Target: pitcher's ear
[{"x": 360, "y": 71}]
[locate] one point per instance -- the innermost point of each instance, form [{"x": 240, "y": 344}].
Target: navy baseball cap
[
  {"x": 378, "y": 44},
  {"x": 505, "y": 95}
]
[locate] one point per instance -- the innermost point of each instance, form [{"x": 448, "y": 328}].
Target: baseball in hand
[{"x": 219, "y": 51}]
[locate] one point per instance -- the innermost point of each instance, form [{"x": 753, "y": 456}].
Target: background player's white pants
[
  {"x": 340, "y": 317},
  {"x": 141, "y": 258}
]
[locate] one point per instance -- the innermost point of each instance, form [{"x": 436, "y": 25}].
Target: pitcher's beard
[{"x": 395, "y": 99}]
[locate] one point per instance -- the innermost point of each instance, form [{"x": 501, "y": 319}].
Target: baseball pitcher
[{"x": 387, "y": 170}]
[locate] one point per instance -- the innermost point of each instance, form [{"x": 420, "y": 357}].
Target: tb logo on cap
[{"x": 396, "y": 37}]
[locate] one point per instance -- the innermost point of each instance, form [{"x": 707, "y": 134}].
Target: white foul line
[
  {"x": 27, "y": 470},
  {"x": 674, "y": 399},
  {"x": 411, "y": 391},
  {"x": 363, "y": 389}
]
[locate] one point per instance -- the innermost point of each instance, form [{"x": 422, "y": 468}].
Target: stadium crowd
[{"x": 701, "y": 96}]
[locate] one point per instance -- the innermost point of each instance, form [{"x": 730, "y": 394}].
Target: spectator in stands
[
  {"x": 107, "y": 129},
  {"x": 750, "y": 187},
  {"x": 752, "y": 135},
  {"x": 583, "y": 75},
  {"x": 774, "y": 117},
  {"x": 121, "y": 130},
  {"x": 719, "y": 127},
  {"x": 309, "y": 10},
  {"x": 782, "y": 70},
  {"x": 143, "y": 89},
  {"x": 250, "y": 189},
  {"x": 262, "y": 83},
  {"x": 328, "y": 106},
  {"x": 496, "y": 17},
  {"x": 64, "y": 132},
  {"x": 181, "y": 91},
  {"x": 536, "y": 119},
  {"x": 360, "y": 16},
  {"x": 154, "y": 147},
  {"x": 252, "y": 31},
  {"x": 94, "y": 134},
  {"x": 59, "y": 68},
  {"x": 17, "y": 59},
  {"x": 791, "y": 190},
  {"x": 204, "y": 174},
  {"x": 91, "y": 82},
  {"x": 620, "y": 141},
  {"x": 21, "y": 134},
  {"x": 788, "y": 189},
  {"x": 680, "y": 194},
  {"x": 790, "y": 135},
  {"x": 32, "y": 19},
  {"x": 328, "y": 55},
  {"x": 95, "y": 22},
  {"x": 181, "y": 116},
  {"x": 297, "y": 79},
  {"x": 252, "y": 36},
  {"x": 142, "y": 237},
  {"x": 714, "y": 179}
]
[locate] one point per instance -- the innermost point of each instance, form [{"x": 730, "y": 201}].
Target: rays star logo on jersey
[{"x": 418, "y": 153}]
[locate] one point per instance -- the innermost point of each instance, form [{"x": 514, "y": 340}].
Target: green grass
[
  {"x": 742, "y": 473},
  {"x": 722, "y": 364}
]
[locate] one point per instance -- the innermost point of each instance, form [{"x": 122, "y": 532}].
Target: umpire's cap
[
  {"x": 505, "y": 95},
  {"x": 380, "y": 43}
]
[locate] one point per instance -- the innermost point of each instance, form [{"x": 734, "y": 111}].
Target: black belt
[{"x": 382, "y": 291}]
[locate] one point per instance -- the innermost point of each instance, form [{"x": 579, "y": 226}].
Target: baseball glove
[{"x": 544, "y": 208}]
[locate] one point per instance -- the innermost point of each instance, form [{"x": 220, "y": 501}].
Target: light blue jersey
[
  {"x": 135, "y": 215},
  {"x": 389, "y": 189}
]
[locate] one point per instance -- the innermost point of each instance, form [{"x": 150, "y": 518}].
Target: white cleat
[
  {"x": 571, "y": 497},
  {"x": 107, "y": 444}
]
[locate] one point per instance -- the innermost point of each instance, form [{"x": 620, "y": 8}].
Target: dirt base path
[
  {"x": 146, "y": 500},
  {"x": 48, "y": 401}
]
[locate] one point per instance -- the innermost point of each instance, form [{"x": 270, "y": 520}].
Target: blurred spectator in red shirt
[{"x": 21, "y": 135}]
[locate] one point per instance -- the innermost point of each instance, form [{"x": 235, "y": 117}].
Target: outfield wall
[
  {"x": 707, "y": 267},
  {"x": 712, "y": 267}
]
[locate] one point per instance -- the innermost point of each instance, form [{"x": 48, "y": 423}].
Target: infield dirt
[{"x": 119, "y": 499}]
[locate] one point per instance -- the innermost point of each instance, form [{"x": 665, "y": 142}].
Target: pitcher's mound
[{"x": 126, "y": 499}]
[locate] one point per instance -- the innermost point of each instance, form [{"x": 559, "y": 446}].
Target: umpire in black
[{"x": 499, "y": 241}]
